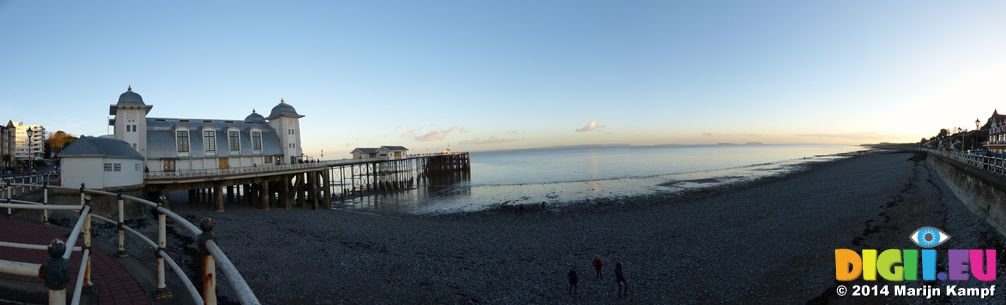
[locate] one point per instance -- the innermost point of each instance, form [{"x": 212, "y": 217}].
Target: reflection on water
[{"x": 556, "y": 176}]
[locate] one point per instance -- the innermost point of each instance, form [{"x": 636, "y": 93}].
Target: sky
[{"x": 488, "y": 75}]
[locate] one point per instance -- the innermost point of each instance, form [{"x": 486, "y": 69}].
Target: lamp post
[
  {"x": 29, "y": 132},
  {"x": 977, "y": 123}
]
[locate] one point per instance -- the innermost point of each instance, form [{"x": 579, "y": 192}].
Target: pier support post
[
  {"x": 314, "y": 189},
  {"x": 219, "y": 191},
  {"x": 327, "y": 183},
  {"x": 298, "y": 188},
  {"x": 193, "y": 197},
  {"x": 230, "y": 194},
  {"x": 265, "y": 194},
  {"x": 284, "y": 191}
]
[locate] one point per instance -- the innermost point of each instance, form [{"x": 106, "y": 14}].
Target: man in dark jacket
[
  {"x": 623, "y": 286},
  {"x": 572, "y": 280}
]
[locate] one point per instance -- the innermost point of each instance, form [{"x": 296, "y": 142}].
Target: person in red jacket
[{"x": 598, "y": 264}]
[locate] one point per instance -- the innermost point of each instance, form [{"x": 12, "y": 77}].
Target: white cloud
[
  {"x": 590, "y": 127},
  {"x": 408, "y": 133},
  {"x": 438, "y": 134}
]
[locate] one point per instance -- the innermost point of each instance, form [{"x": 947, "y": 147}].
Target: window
[
  {"x": 234, "y": 140},
  {"x": 210, "y": 140},
  {"x": 290, "y": 131},
  {"x": 108, "y": 167},
  {"x": 267, "y": 160},
  {"x": 256, "y": 138},
  {"x": 137, "y": 167},
  {"x": 117, "y": 167},
  {"x": 182, "y": 140}
]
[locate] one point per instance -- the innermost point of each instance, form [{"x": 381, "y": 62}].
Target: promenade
[{"x": 117, "y": 286}]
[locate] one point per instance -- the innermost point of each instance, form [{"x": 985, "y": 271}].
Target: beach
[{"x": 771, "y": 241}]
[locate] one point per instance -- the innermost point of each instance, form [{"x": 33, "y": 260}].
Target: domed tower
[
  {"x": 286, "y": 121},
  {"x": 130, "y": 120},
  {"x": 254, "y": 118}
]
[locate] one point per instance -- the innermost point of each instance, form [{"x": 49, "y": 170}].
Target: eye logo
[{"x": 928, "y": 237}]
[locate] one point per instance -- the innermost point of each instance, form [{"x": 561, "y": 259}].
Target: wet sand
[{"x": 766, "y": 242}]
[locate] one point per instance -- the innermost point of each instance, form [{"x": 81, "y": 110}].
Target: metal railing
[
  {"x": 200, "y": 173},
  {"x": 55, "y": 271},
  {"x": 212, "y": 256},
  {"x": 992, "y": 165}
]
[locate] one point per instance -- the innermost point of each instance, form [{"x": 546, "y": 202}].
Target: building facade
[
  {"x": 7, "y": 147},
  {"x": 996, "y": 126},
  {"x": 173, "y": 144},
  {"x": 100, "y": 163},
  {"x": 382, "y": 153},
  {"x": 28, "y": 148}
]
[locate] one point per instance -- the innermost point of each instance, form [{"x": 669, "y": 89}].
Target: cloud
[
  {"x": 590, "y": 127},
  {"x": 408, "y": 133},
  {"x": 399, "y": 126},
  {"x": 490, "y": 140},
  {"x": 438, "y": 134}
]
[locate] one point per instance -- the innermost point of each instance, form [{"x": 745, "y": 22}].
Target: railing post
[
  {"x": 121, "y": 226},
  {"x": 81, "y": 194},
  {"x": 209, "y": 263},
  {"x": 87, "y": 242},
  {"x": 161, "y": 291},
  {"x": 56, "y": 272},
  {"x": 45, "y": 201},
  {"x": 7, "y": 194}
]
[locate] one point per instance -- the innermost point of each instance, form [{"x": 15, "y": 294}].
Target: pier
[{"x": 311, "y": 185}]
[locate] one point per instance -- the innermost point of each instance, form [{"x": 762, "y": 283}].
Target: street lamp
[
  {"x": 29, "y": 132},
  {"x": 973, "y": 140}
]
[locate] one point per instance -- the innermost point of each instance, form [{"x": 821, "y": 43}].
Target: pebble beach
[{"x": 770, "y": 241}]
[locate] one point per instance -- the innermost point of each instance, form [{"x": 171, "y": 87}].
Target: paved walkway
[{"x": 115, "y": 286}]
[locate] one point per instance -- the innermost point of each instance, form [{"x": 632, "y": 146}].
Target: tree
[{"x": 57, "y": 141}]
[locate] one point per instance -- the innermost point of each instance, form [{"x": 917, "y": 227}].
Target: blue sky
[{"x": 483, "y": 75}]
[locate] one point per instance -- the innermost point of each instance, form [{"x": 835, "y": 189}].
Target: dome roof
[
  {"x": 254, "y": 118},
  {"x": 283, "y": 109},
  {"x": 130, "y": 98}
]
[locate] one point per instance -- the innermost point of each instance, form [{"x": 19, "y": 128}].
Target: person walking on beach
[
  {"x": 598, "y": 264},
  {"x": 620, "y": 279},
  {"x": 572, "y": 280}
]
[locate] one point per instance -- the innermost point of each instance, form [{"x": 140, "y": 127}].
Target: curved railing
[{"x": 212, "y": 256}]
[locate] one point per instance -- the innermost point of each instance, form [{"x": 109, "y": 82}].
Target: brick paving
[{"x": 115, "y": 286}]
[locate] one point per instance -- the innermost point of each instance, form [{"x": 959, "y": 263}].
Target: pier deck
[{"x": 309, "y": 185}]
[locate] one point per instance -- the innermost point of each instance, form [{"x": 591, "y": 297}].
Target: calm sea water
[{"x": 565, "y": 175}]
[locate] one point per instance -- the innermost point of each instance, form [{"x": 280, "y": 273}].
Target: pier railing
[
  {"x": 992, "y": 165},
  {"x": 212, "y": 256},
  {"x": 267, "y": 169}
]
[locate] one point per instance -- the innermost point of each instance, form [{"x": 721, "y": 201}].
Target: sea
[{"x": 575, "y": 175}]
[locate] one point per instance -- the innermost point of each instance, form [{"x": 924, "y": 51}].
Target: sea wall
[{"x": 982, "y": 193}]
